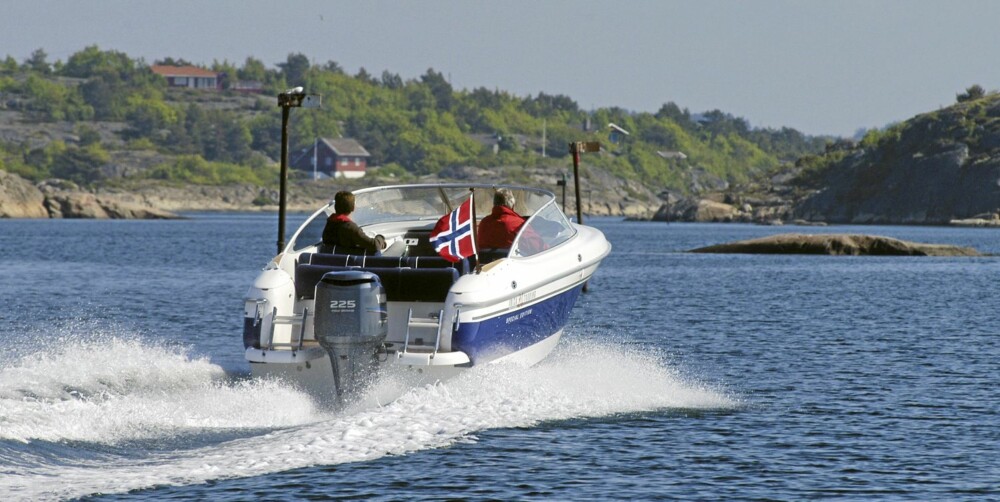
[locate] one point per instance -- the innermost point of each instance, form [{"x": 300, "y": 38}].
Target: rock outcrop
[
  {"x": 19, "y": 198},
  {"x": 704, "y": 210},
  {"x": 837, "y": 244},
  {"x": 90, "y": 206},
  {"x": 931, "y": 169}
]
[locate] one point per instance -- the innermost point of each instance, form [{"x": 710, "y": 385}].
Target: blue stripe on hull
[{"x": 515, "y": 330}]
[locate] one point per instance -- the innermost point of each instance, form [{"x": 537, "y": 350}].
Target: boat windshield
[
  {"x": 423, "y": 204},
  {"x": 431, "y": 202},
  {"x": 545, "y": 230}
]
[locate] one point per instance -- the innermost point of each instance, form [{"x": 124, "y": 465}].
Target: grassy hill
[{"x": 101, "y": 117}]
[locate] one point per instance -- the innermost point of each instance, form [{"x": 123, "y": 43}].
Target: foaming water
[
  {"x": 121, "y": 391},
  {"x": 114, "y": 390}
]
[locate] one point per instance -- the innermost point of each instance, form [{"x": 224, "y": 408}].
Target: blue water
[{"x": 680, "y": 376}]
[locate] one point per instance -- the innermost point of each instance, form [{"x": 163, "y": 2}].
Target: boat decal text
[
  {"x": 516, "y": 317},
  {"x": 342, "y": 305},
  {"x": 523, "y": 298}
]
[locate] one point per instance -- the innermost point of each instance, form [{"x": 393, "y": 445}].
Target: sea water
[{"x": 679, "y": 376}]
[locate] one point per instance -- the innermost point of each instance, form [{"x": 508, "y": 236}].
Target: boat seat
[
  {"x": 342, "y": 250},
  {"x": 492, "y": 254},
  {"x": 401, "y": 284},
  {"x": 420, "y": 262}
]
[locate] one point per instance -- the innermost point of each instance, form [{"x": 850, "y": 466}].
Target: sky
[{"x": 822, "y": 67}]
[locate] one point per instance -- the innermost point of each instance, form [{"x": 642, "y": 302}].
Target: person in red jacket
[
  {"x": 346, "y": 235},
  {"x": 498, "y": 229}
]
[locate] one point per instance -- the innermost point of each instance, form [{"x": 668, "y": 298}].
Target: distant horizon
[{"x": 820, "y": 68}]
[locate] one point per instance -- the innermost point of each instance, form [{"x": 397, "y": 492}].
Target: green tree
[
  {"x": 364, "y": 76},
  {"x": 440, "y": 88},
  {"x": 294, "y": 69},
  {"x": 103, "y": 94},
  {"x": 38, "y": 62},
  {"x": 81, "y": 165},
  {"x": 147, "y": 117},
  {"x": 52, "y": 101},
  {"x": 227, "y": 73},
  {"x": 253, "y": 69},
  {"x": 333, "y": 67},
  {"x": 265, "y": 134},
  {"x": 391, "y": 80},
  {"x": 8, "y": 65},
  {"x": 88, "y": 135},
  {"x": 92, "y": 61},
  {"x": 169, "y": 61},
  {"x": 972, "y": 93}
]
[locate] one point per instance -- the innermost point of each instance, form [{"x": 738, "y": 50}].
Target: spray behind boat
[{"x": 351, "y": 325}]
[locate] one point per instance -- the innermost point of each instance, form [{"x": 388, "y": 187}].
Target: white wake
[{"x": 118, "y": 391}]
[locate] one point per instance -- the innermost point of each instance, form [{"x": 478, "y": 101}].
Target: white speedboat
[{"x": 327, "y": 321}]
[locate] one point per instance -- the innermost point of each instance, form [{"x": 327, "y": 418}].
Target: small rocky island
[{"x": 837, "y": 244}]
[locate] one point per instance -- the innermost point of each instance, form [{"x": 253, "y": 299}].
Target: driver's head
[
  {"x": 343, "y": 202},
  {"x": 503, "y": 197}
]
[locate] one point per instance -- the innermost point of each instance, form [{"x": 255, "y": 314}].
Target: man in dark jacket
[
  {"x": 498, "y": 229},
  {"x": 346, "y": 235}
]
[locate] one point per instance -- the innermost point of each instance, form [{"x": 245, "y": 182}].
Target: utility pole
[
  {"x": 315, "y": 156},
  {"x": 561, "y": 182},
  {"x": 576, "y": 148},
  {"x": 292, "y": 98},
  {"x": 543, "y": 138}
]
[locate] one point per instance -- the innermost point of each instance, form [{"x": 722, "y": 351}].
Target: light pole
[
  {"x": 561, "y": 182},
  {"x": 292, "y": 98},
  {"x": 576, "y": 149}
]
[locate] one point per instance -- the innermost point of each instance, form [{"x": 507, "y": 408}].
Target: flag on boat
[{"x": 452, "y": 235}]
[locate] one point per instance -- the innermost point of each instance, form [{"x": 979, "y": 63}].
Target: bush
[
  {"x": 140, "y": 144},
  {"x": 52, "y": 101},
  {"x": 391, "y": 170},
  {"x": 194, "y": 169},
  {"x": 972, "y": 93},
  {"x": 80, "y": 165}
]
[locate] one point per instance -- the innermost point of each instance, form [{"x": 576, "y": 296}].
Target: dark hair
[{"x": 343, "y": 202}]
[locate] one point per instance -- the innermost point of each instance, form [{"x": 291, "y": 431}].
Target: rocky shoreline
[
  {"x": 153, "y": 199},
  {"x": 604, "y": 195},
  {"x": 19, "y": 198}
]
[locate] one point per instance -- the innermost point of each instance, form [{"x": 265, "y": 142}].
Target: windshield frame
[
  {"x": 515, "y": 248},
  {"x": 448, "y": 197}
]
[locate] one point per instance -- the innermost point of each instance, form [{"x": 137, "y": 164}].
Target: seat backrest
[
  {"x": 492, "y": 254},
  {"x": 401, "y": 284},
  {"x": 340, "y": 249},
  {"x": 340, "y": 260},
  {"x": 421, "y": 262}
]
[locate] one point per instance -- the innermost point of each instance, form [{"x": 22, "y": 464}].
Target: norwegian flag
[{"x": 452, "y": 235}]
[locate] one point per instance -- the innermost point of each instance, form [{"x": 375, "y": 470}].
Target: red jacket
[{"x": 498, "y": 229}]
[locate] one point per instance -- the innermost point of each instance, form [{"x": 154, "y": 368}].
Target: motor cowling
[{"x": 351, "y": 324}]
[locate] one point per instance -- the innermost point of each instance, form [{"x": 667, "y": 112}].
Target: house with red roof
[
  {"x": 188, "y": 76},
  {"x": 333, "y": 157}
]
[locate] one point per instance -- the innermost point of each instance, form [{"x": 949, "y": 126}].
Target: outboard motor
[{"x": 351, "y": 324}]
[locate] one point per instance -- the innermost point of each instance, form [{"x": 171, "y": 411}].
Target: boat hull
[
  {"x": 514, "y": 331},
  {"x": 310, "y": 370}
]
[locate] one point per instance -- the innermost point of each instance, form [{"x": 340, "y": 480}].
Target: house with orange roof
[{"x": 188, "y": 76}]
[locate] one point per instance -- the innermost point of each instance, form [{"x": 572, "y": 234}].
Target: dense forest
[{"x": 411, "y": 126}]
